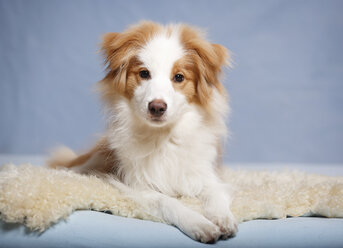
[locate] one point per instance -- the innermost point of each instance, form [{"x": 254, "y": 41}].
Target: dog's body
[{"x": 166, "y": 119}]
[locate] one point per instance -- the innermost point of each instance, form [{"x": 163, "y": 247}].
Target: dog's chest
[{"x": 175, "y": 165}]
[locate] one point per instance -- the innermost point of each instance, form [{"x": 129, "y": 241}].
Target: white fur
[
  {"x": 159, "y": 56},
  {"x": 170, "y": 161},
  {"x": 176, "y": 158}
]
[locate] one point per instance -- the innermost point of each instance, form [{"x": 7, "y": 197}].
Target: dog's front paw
[
  {"x": 225, "y": 221},
  {"x": 203, "y": 230}
]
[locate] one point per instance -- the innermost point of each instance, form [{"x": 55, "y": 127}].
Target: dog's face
[{"x": 162, "y": 70}]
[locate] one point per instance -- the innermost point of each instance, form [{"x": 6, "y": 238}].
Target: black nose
[{"x": 157, "y": 107}]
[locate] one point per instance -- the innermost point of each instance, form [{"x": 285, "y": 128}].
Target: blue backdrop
[{"x": 286, "y": 86}]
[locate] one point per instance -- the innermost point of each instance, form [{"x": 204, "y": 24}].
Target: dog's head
[{"x": 161, "y": 70}]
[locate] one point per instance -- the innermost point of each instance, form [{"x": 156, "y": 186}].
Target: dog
[{"x": 166, "y": 110}]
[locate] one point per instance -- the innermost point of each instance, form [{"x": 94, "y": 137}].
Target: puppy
[{"x": 166, "y": 114}]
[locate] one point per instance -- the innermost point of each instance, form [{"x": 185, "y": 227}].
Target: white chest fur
[{"x": 174, "y": 160}]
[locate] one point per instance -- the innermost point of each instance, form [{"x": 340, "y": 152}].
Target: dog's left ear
[
  {"x": 223, "y": 58},
  {"x": 213, "y": 57}
]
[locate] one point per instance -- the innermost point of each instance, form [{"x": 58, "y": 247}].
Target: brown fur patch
[
  {"x": 208, "y": 60},
  {"x": 108, "y": 163},
  {"x": 186, "y": 67},
  {"x": 120, "y": 50},
  {"x": 133, "y": 79}
]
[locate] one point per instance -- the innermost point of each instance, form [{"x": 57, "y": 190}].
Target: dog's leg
[
  {"x": 188, "y": 221},
  {"x": 173, "y": 212},
  {"x": 217, "y": 202}
]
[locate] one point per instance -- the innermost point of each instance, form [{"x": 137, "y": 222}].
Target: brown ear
[
  {"x": 120, "y": 48},
  {"x": 212, "y": 58},
  {"x": 209, "y": 59},
  {"x": 117, "y": 58},
  {"x": 117, "y": 49},
  {"x": 108, "y": 39},
  {"x": 223, "y": 55}
]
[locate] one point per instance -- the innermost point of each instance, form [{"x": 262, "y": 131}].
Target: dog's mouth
[{"x": 157, "y": 121}]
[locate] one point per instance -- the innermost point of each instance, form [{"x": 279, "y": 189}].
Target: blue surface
[
  {"x": 94, "y": 229},
  {"x": 286, "y": 87}
]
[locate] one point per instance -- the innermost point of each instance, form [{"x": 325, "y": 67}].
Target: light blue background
[{"x": 286, "y": 87}]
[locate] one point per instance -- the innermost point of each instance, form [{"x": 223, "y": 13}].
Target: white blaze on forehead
[
  {"x": 159, "y": 56},
  {"x": 161, "y": 52}
]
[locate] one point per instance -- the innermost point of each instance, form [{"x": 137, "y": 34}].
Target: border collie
[{"x": 166, "y": 111}]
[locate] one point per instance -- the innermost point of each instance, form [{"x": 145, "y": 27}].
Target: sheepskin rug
[{"x": 39, "y": 197}]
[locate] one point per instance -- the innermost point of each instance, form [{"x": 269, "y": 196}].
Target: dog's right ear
[
  {"x": 120, "y": 48},
  {"x": 117, "y": 50},
  {"x": 107, "y": 47}
]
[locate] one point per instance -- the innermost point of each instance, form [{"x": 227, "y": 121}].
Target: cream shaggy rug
[{"x": 39, "y": 197}]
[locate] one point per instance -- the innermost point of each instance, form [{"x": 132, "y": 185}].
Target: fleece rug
[{"x": 39, "y": 197}]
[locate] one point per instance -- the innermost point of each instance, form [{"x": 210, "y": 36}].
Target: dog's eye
[
  {"x": 179, "y": 78},
  {"x": 144, "y": 74}
]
